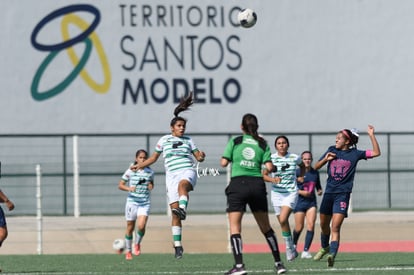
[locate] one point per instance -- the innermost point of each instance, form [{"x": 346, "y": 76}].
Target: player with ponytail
[
  {"x": 342, "y": 160},
  {"x": 179, "y": 152},
  {"x": 247, "y": 154}
]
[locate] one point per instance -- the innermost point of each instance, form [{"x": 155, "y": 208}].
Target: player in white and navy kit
[
  {"x": 138, "y": 184},
  {"x": 179, "y": 153},
  {"x": 284, "y": 193}
]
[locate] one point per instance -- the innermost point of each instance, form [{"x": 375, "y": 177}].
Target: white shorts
[
  {"x": 173, "y": 178},
  {"x": 283, "y": 199},
  {"x": 133, "y": 210}
]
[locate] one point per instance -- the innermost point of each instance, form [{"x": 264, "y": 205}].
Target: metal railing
[{"x": 382, "y": 183}]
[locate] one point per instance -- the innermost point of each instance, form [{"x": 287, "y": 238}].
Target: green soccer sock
[
  {"x": 176, "y": 233},
  {"x": 183, "y": 201}
]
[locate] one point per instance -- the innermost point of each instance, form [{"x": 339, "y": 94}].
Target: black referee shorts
[{"x": 244, "y": 191}]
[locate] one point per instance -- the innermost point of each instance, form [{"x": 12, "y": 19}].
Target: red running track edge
[{"x": 362, "y": 247}]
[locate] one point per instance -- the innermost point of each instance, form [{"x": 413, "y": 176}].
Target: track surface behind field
[{"x": 361, "y": 232}]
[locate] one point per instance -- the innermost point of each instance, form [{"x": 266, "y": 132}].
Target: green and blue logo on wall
[{"x": 87, "y": 36}]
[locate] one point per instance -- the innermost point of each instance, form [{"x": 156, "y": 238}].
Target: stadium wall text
[{"x": 122, "y": 66}]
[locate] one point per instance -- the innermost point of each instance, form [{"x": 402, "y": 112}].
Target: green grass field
[{"x": 146, "y": 264}]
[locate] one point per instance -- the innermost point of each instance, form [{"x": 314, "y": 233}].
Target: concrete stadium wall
[{"x": 121, "y": 66}]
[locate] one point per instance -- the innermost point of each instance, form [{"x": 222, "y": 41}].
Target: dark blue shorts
[
  {"x": 335, "y": 203},
  {"x": 243, "y": 191},
  {"x": 304, "y": 205},
  {"x": 2, "y": 218}
]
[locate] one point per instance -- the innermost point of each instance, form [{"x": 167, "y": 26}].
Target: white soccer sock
[{"x": 289, "y": 242}]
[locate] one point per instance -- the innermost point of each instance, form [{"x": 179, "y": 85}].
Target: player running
[{"x": 138, "y": 184}]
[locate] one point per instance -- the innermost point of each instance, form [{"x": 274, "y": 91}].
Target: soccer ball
[
  {"x": 119, "y": 245},
  {"x": 247, "y": 18}
]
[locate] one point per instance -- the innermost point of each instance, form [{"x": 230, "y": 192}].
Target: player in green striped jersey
[
  {"x": 179, "y": 153},
  {"x": 284, "y": 193},
  {"x": 138, "y": 184}
]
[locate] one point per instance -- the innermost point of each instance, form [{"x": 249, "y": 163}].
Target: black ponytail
[
  {"x": 184, "y": 105},
  {"x": 351, "y": 136},
  {"x": 250, "y": 126}
]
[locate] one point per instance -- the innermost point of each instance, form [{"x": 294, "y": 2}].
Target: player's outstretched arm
[
  {"x": 152, "y": 159},
  {"x": 376, "y": 151},
  {"x": 6, "y": 200}
]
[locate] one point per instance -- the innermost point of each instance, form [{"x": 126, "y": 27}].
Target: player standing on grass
[
  {"x": 284, "y": 189},
  {"x": 3, "y": 225},
  {"x": 342, "y": 160},
  {"x": 247, "y": 154},
  {"x": 307, "y": 204},
  {"x": 179, "y": 152},
  {"x": 138, "y": 184}
]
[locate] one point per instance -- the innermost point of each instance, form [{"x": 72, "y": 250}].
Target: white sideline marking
[
  {"x": 330, "y": 270},
  {"x": 268, "y": 271}
]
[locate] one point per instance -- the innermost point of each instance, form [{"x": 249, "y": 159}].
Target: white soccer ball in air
[
  {"x": 119, "y": 245},
  {"x": 247, "y": 18}
]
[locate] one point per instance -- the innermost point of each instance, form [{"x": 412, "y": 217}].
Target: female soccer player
[
  {"x": 342, "y": 160},
  {"x": 306, "y": 205},
  {"x": 247, "y": 154},
  {"x": 3, "y": 225},
  {"x": 138, "y": 184},
  {"x": 178, "y": 151},
  {"x": 284, "y": 189}
]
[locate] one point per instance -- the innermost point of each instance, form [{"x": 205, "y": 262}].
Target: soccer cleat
[
  {"x": 236, "y": 271},
  {"x": 128, "y": 256},
  {"x": 137, "y": 249},
  {"x": 306, "y": 255},
  {"x": 179, "y": 212},
  {"x": 331, "y": 260},
  {"x": 291, "y": 254},
  {"x": 322, "y": 252},
  {"x": 280, "y": 268},
  {"x": 179, "y": 250}
]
